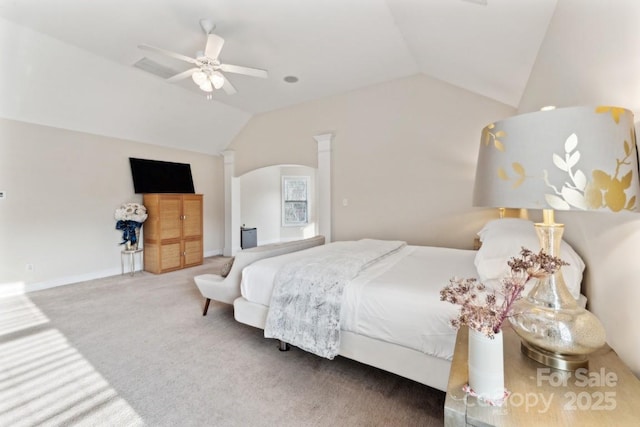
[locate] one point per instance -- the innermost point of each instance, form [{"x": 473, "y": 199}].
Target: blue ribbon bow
[{"x": 128, "y": 230}]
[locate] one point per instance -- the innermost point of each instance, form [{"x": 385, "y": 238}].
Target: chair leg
[{"x": 206, "y": 306}]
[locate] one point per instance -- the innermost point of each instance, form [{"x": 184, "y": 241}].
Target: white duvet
[{"x": 395, "y": 300}]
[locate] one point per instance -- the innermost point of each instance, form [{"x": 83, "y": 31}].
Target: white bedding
[{"x": 396, "y": 300}]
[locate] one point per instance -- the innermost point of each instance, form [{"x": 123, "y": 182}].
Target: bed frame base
[
  {"x": 403, "y": 361},
  {"x": 283, "y": 346}
]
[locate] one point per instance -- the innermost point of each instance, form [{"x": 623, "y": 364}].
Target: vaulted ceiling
[{"x": 70, "y": 63}]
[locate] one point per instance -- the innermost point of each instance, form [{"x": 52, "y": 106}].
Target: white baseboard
[
  {"x": 68, "y": 280},
  {"x": 214, "y": 252}
]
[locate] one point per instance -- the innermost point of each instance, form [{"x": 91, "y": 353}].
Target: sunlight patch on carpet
[
  {"x": 46, "y": 381},
  {"x": 18, "y": 313}
]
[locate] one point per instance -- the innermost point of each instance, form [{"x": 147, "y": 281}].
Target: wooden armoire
[{"x": 172, "y": 231}]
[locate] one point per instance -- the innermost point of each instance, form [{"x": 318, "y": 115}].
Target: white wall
[
  {"x": 62, "y": 190},
  {"x": 609, "y": 244},
  {"x": 260, "y": 203},
  {"x": 261, "y": 198},
  {"x": 583, "y": 58},
  {"x": 404, "y": 156}
]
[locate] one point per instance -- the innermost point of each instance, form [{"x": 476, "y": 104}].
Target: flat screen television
[{"x": 155, "y": 176}]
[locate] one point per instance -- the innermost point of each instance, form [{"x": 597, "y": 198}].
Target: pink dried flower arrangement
[{"x": 486, "y": 314}]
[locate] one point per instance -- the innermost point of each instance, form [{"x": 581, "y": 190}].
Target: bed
[
  {"x": 391, "y": 316},
  {"x": 372, "y": 332}
]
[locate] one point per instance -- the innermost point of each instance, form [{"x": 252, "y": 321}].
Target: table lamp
[{"x": 579, "y": 158}]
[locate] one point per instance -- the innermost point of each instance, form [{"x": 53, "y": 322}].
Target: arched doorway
[{"x": 322, "y": 199}]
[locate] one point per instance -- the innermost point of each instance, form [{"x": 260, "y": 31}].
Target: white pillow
[{"x": 503, "y": 239}]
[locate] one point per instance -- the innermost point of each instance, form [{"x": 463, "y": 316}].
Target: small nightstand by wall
[
  {"x": 130, "y": 256},
  {"x": 604, "y": 395}
]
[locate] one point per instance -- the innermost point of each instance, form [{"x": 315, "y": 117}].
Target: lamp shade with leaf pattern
[{"x": 578, "y": 158}]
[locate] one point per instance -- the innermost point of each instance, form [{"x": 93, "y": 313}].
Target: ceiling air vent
[{"x": 156, "y": 68}]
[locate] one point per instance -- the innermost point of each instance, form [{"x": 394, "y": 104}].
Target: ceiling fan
[{"x": 207, "y": 73}]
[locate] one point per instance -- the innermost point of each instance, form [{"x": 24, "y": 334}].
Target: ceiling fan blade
[
  {"x": 254, "y": 72},
  {"x": 228, "y": 87},
  {"x": 167, "y": 53},
  {"x": 214, "y": 46},
  {"x": 182, "y": 75}
]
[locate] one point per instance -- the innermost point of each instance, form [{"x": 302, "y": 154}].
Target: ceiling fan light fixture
[
  {"x": 217, "y": 79},
  {"x": 206, "y": 69},
  {"x": 199, "y": 77},
  {"x": 206, "y": 86}
]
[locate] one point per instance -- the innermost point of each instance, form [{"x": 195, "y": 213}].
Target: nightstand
[{"x": 604, "y": 395}]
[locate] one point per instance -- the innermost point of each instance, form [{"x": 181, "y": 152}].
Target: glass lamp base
[
  {"x": 566, "y": 362},
  {"x": 555, "y": 331}
]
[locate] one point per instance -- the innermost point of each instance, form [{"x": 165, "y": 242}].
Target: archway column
[
  {"x": 231, "y": 205},
  {"x": 323, "y": 184}
]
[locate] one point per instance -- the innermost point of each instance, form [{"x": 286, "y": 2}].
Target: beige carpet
[{"x": 136, "y": 350}]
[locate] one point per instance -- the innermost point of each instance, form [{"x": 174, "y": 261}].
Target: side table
[
  {"x": 131, "y": 258},
  {"x": 605, "y": 394}
]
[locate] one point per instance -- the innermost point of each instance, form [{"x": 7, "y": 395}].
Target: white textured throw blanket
[{"x": 307, "y": 295}]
